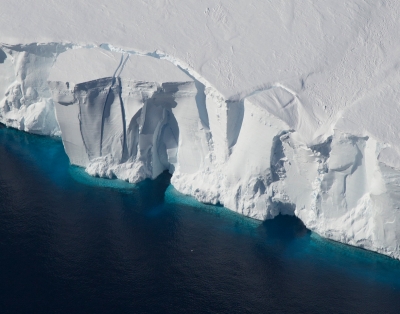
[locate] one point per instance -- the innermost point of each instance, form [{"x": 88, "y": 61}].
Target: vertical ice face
[
  {"x": 354, "y": 196},
  {"x": 132, "y": 117},
  {"x": 26, "y": 103},
  {"x": 66, "y": 107},
  {"x": 136, "y": 118},
  {"x": 249, "y": 170}
]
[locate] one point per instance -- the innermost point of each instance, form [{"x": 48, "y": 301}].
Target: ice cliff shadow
[
  {"x": 3, "y": 56},
  {"x": 284, "y": 228}
]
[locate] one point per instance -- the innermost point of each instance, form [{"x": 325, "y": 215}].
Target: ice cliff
[{"x": 304, "y": 122}]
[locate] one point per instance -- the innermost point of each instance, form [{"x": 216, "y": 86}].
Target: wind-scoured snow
[{"x": 265, "y": 107}]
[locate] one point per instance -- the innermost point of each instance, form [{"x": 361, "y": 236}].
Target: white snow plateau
[{"x": 266, "y": 107}]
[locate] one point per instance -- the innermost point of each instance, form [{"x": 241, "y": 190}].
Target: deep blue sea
[{"x": 70, "y": 243}]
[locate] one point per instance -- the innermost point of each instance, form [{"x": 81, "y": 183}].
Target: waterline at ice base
[{"x": 265, "y": 108}]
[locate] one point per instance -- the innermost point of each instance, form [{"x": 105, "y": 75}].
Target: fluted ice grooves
[{"x": 130, "y": 115}]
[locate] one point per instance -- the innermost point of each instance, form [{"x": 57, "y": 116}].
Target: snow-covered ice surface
[{"x": 266, "y": 107}]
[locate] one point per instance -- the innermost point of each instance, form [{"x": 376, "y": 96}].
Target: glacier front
[{"x": 298, "y": 119}]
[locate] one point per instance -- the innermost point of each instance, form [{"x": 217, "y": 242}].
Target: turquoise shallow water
[{"x": 70, "y": 243}]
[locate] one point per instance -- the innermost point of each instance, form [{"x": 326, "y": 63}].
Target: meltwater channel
[{"x": 70, "y": 243}]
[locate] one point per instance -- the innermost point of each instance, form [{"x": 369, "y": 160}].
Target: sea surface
[{"x": 70, "y": 243}]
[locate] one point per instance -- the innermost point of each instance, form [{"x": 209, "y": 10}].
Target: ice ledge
[{"x": 131, "y": 115}]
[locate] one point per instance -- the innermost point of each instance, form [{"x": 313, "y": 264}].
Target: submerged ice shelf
[{"x": 130, "y": 115}]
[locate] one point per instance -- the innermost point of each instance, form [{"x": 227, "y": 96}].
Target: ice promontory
[{"x": 285, "y": 108}]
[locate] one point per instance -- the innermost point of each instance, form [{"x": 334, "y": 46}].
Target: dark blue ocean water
[{"x": 70, "y": 243}]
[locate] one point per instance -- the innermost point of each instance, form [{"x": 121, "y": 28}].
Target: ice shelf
[{"x": 285, "y": 108}]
